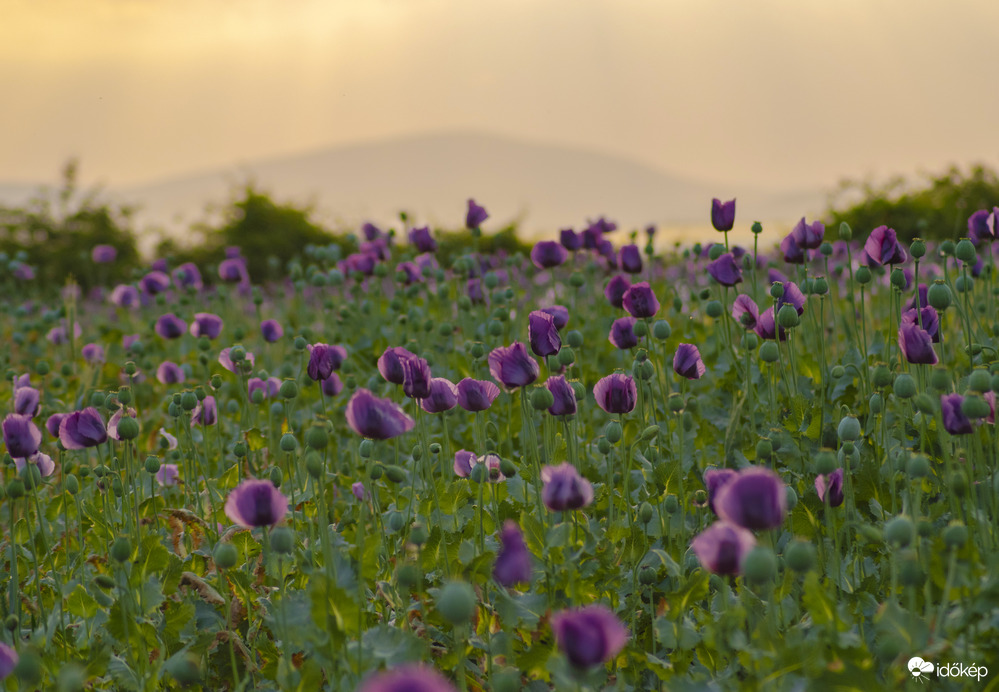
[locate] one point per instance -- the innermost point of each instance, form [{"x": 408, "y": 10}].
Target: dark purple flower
[
  {"x": 916, "y": 344},
  {"x": 722, "y": 214},
  {"x": 169, "y": 326},
  {"x": 929, "y": 317},
  {"x": 743, "y": 306},
  {"x": 57, "y": 335},
  {"x": 630, "y": 259},
  {"x": 410, "y": 272},
  {"x": 808, "y": 236},
  {"x": 463, "y": 463},
  {"x": 606, "y": 250},
  {"x": 443, "y": 396},
  {"x": 324, "y": 359},
  {"x": 9, "y": 659},
  {"x": 159, "y": 265},
  {"x": 622, "y": 333},
  {"x": 882, "y": 247},
  {"x": 543, "y": 335},
  {"x": 920, "y": 299},
  {"x": 255, "y": 503},
  {"x": 570, "y": 239},
  {"x": 233, "y": 270},
  {"x": 792, "y": 296},
  {"x": 513, "y": 561},
  {"x": 93, "y": 353},
  {"x": 411, "y": 677},
  {"x": 43, "y": 462},
  {"x": 416, "y": 382},
  {"x": 722, "y": 547},
  {"x": 640, "y": 301},
  {"x": 422, "y": 239},
  {"x": 271, "y": 330},
  {"x": 358, "y": 491},
  {"x": 603, "y": 226},
  {"x": 24, "y": 272},
  {"x": 474, "y": 290},
  {"x": 547, "y": 254},
  {"x": 559, "y": 313},
  {"x": 564, "y": 488},
  {"x": 390, "y": 364},
  {"x": 687, "y": 362},
  {"x": 589, "y": 636},
  {"x": 104, "y": 254},
  {"x": 26, "y": 401},
  {"x": 475, "y": 216},
  {"x": 206, "y": 412},
  {"x": 793, "y": 253},
  {"x": 187, "y": 275},
  {"x": 81, "y": 429},
  {"x": 512, "y": 366},
  {"x": 167, "y": 475},
  {"x": 565, "y": 397},
  {"x": 775, "y": 275},
  {"x": 53, "y": 422},
  {"x": 955, "y": 422},
  {"x": 476, "y": 395},
  {"x": 725, "y": 271},
  {"x": 154, "y": 282},
  {"x": 331, "y": 386},
  {"x": 714, "y": 480},
  {"x": 206, "y": 324},
  {"x": 830, "y": 488},
  {"x": 360, "y": 262},
  {"x": 616, "y": 393},
  {"x": 21, "y": 435},
  {"x": 124, "y": 296},
  {"x": 766, "y": 327},
  {"x": 756, "y": 499},
  {"x": 615, "y": 290},
  {"x": 371, "y": 231},
  {"x": 378, "y": 419},
  {"x": 983, "y": 225}
]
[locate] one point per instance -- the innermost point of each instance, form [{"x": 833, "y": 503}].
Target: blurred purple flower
[
  {"x": 82, "y": 429},
  {"x": 206, "y": 324},
  {"x": 542, "y": 333},
  {"x": 255, "y": 503},
  {"x": 722, "y": 547},
  {"x": 725, "y": 271},
  {"x": 512, "y": 367},
  {"x": 422, "y": 239},
  {"x": 443, "y": 396},
  {"x": 26, "y": 401},
  {"x": 882, "y": 247},
  {"x": 830, "y": 487},
  {"x": 513, "y": 561},
  {"x": 168, "y": 475},
  {"x": 476, "y": 395},
  {"x": 43, "y": 462},
  {"x": 21, "y": 435},
  {"x": 57, "y": 335},
  {"x": 687, "y": 362},
  {"x": 564, "y": 488},
  {"x": 564, "y": 396},
  {"x": 793, "y": 253},
  {"x": 756, "y": 499},
  {"x": 410, "y": 677},
  {"x": 475, "y": 216},
  {"x": 589, "y": 636},
  {"x": 722, "y": 214},
  {"x": 622, "y": 333},
  {"x": 390, "y": 364},
  {"x": 616, "y": 393},
  {"x": 104, "y": 254},
  {"x": 474, "y": 289},
  {"x": 271, "y": 330},
  {"x": 615, "y": 290},
  {"x": 226, "y": 362},
  {"x": 125, "y": 296},
  {"x": 93, "y": 353},
  {"x": 808, "y": 236},
  {"x": 187, "y": 275},
  {"x": 233, "y": 270},
  {"x": 744, "y": 305},
  {"x": 154, "y": 282},
  {"x": 547, "y": 254},
  {"x": 206, "y": 412},
  {"x": 640, "y": 301},
  {"x": 630, "y": 259},
  {"x": 983, "y": 225},
  {"x": 324, "y": 359},
  {"x": 169, "y": 326},
  {"x": 570, "y": 239},
  {"x": 331, "y": 386},
  {"x": 375, "y": 418},
  {"x": 714, "y": 480},
  {"x": 357, "y": 489},
  {"x": 792, "y": 296},
  {"x": 955, "y": 422},
  {"x": 411, "y": 273},
  {"x": 916, "y": 344}
]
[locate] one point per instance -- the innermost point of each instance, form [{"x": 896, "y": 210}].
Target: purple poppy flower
[
  {"x": 687, "y": 362},
  {"x": 170, "y": 373},
  {"x": 476, "y": 395},
  {"x": 978, "y": 226},
  {"x": 513, "y": 561},
  {"x": 422, "y": 239},
  {"x": 882, "y": 247},
  {"x": 725, "y": 271},
  {"x": 371, "y": 231},
  {"x": 93, "y": 353},
  {"x": 570, "y": 240},
  {"x": 168, "y": 475},
  {"x": 233, "y": 270},
  {"x": 21, "y": 435},
  {"x": 830, "y": 487},
  {"x": 331, "y": 386},
  {"x": 564, "y": 488},
  {"x": 512, "y": 367},
  {"x": 26, "y": 401},
  {"x": 722, "y": 214},
  {"x": 154, "y": 282},
  {"x": 756, "y": 499},
  {"x": 559, "y": 313},
  {"x": 390, "y": 364},
  {"x": 358, "y": 491},
  {"x": 602, "y": 226},
  {"x": 615, "y": 290},
  {"x": 630, "y": 259},
  {"x": 547, "y": 254},
  {"x": 722, "y": 547},
  {"x": 543, "y": 335},
  {"x": 565, "y": 397},
  {"x": 166, "y": 441},
  {"x": 745, "y": 311},
  {"x": 115, "y": 420},
  {"x": 255, "y": 503},
  {"x": 792, "y": 296},
  {"x": 916, "y": 344},
  {"x": 271, "y": 330},
  {"x": 206, "y": 324},
  {"x": 616, "y": 393},
  {"x": 169, "y": 326},
  {"x": 766, "y": 326},
  {"x": 378, "y": 419},
  {"x": 125, "y": 296},
  {"x": 714, "y": 480},
  {"x": 474, "y": 290},
  {"x": 57, "y": 335},
  {"x": 324, "y": 359},
  {"x": 640, "y": 301},
  {"x": 808, "y": 236},
  {"x": 416, "y": 382},
  {"x": 24, "y": 272},
  {"x": 43, "y": 462},
  {"x": 475, "y": 216},
  {"x": 104, "y": 254},
  {"x": 53, "y": 422},
  {"x": 955, "y": 422},
  {"x": 376, "y": 248},
  {"x": 9, "y": 659},
  {"x": 443, "y": 396},
  {"x": 589, "y": 636},
  {"x": 408, "y": 678},
  {"x": 920, "y": 299},
  {"x": 793, "y": 253},
  {"x": 254, "y": 384},
  {"x": 409, "y": 271},
  {"x": 206, "y": 412},
  {"x": 622, "y": 333},
  {"x": 82, "y": 429},
  {"x": 187, "y": 275},
  {"x": 606, "y": 250},
  {"x": 361, "y": 262},
  {"x": 929, "y": 317},
  {"x": 463, "y": 462}
]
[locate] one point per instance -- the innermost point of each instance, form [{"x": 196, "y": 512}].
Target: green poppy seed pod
[
  {"x": 116, "y": 486},
  {"x": 188, "y": 401},
  {"x": 316, "y": 437},
  {"x": 863, "y": 276},
  {"x": 282, "y": 540},
  {"x": 924, "y": 404},
  {"x": 574, "y": 338},
  {"x": 237, "y": 354},
  {"x": 542, "y": 399},
  {"x": 716, "y": 251},
  {"x": 688, "y": 421},
  {"x": 174, "y": 410},
  {"x": 408, "y": 576},
  {"x": 820, "y": 286},
  {"x": 300, "y": 343},
  {"x": 276, "y": 476},
  {"x": 750, "y": 341},
  {"x": 72, "y": 484},
  {"x": 566, "y": 356},
  {"x": 760, "y": 565},
  {"x": 769, "y": 352},
  {"x": 11, "y": 623},
  {"x": 787, "y": 317},
  {"x": 671, "y": 504},
  {"x": 904, "y": 386},
  {"x": 661, "y": 330},
  {"x": 491, "y": 280},
  {"x": 938, "y": 295},
  {"x": 103, "y": 581},
  {"x": 777, "y": 290},
  {"x": 826, "y": 249},
  {"x": 995, "y": 383},
  {"x": 825, "y": 462},
  {"x": 578, "y": 390},
  {"x": 756, "y": 228},
  {"x": 576, "y": 280},
  {"x": 898, "y": 278},
  {"x": 464, "y": 303},
  {"x": 288, "y": 389},
  {"x": 603, "y": 445},
  {"x": 225, "y": 555},
  {"x": 125, "y": 395},
  {"x": 837, "y": 372},
  {"x": 918, "y": 466},
  {"x": 677, "y": 304},
  {"x": 800, "y": 556},
  {"x": 216, "y": 381},
  {"x": 476, "y": 350},
  {"x": 975, "y": 406},
  {"x": 764, "y": 449},
  {"x": 645, "y": 513},
  {"x": 876, "y": 403},
  {"x": 418, "y": 534},
  {"x": 239, "y": 449},
  {"x": 42, "y": 368},
  {"x": 394, "y": 473},
  {"x": 495, "y": 328},
  {"x": 15, "y": 488},
  {"x": 955, "y": 535},
  {"x": 200, "y": 392},
  {"x": 849, "y": 429},
  {"x": 900, "y": 531},
  {"x": 121, "y": 549},
  {"x": 175, "y": 398},
  {"x": 964, "y": 284},
  {"x": 714, "y": 309},
  {"x": 641, "y": 328},
  {"x": 128, "y": 428},
  {"x": 917, "y": 248},
  {"x": 395, "y": 521},
  {"x": 792, "y": 497},
  {"x": 366, "y": 447},
  {"x": 646, "y": 574},
  {"x": 940, "y": 379},
  {"x": 924, "y": 528},
  {"x": 965, "y": 251},
  {"x": 376, "y": 472},
  {"x": 882, "y": 376},
  {"x": 845, "y": 232},
  {"x": 646, "y": 371},
  {"x": 947, "y": 248},
  {"x": 314, "y": 465},
  {"x": 257, "y": 397},
  {"x": 84, "y": 471},
  {"x": 980, "y": 381},
  {"x": 613, "y": 432},
  {"x": 100, "y": 400},
  {"x": 507, "y": 468},
  {"x": 288, "y": 443},
  {"x": 456, "y": 602},
  {"x": 958, "y": 482}
]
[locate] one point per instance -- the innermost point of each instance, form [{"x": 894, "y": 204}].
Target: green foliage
[{"x": 937, "y": 207}]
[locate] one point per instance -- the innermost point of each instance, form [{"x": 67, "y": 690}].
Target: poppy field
[{"x": 602, "y": 466}]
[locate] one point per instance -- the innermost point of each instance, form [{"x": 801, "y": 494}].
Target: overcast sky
[{"x": 775, "y": 92}]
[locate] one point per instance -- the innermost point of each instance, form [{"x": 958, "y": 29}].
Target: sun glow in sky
[{"x": 769, "y": 92}]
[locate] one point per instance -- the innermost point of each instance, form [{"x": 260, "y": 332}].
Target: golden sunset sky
[{"x": 772, "y": 92}]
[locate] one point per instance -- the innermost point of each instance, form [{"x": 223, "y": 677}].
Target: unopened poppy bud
[
  {"x": 365, "y": 448},
  {"x": 825, "y": 248},
  {"x": 188, "y": 401},
  {"x": 314, "y": 464},
  {"x": 965, "y": 251},
  {"x": 845, "y": 232},
  {"x": 128, "y": 428},
  {"x": 576, "y": 280},
  {"x": 769, "y": 352},
  {"x": 574, "y": 338},
  {"x": 918, "y": 248},
  {"x": 646, "y": 574},
  {"x": 288, "y": 389},
  {"x": 42, "y": 368},
  {"x": 418, "y": 534},
  {"x": 820, "y": 286},
  {"x": 900, "y": 531},
  {"x": 435, "y": 448},
  {"x": 103, "y": 581},
  {"x": 603, "y": 445},
  {"x": 924, "y": 404},
  {"x": 613, "y": 432},
  {"x": 787, "y": 316},
  {"x": 300, "y": 343},
  {"x": 714, "y": 309},
  {"x": 759, "y": 565},
  {"x": 849, "y": 428},
  {"x": 777, "y": 290},
  {"x": 225, "y": 555},
  {"x": 542, "y": 398},
  {"x": 975, "y": 406},
  {"x": 980, "y": 381},
  {"x": 394, "y": 473},
  {"x": 904, "y": 386},
  {"x": 800, "y": 556},
  {"x": 750, "y": 341},
  {"x": 640, "y": 328},
  {"x": 645, "y": 512},
  {"x": 282, "y": 540},
  {"x": 15, "y": 488},
  {"x": 661, "y": 330},
  {"x": 376, "y": 472},
  {"x": 955, "y": 535},
  {"x": 72, "y": 484},
  {"x": 918, "y": 466},
  {"x": 650, "y": 433},
  {"x": 863, "y": 276},
  {"x": 825, "y": 462},
  {"x": 276, "y": 476},
  {"x": 395, "y": 521},
  {"x": 316, "y": 437},
  {"x": 882, "y": 376},
  {"x": 288, "y": 443},
  {"x": 456, "y": 602},
  {"x": 566, "y": 356},
  {"x": 792, "y": 497},
  {"x": 764, "y": 449},
  {"x": 964, "y": 284},
  {"x": 938, "y": 295},
  {"x": 876, "y": 403},
  {"x": 121, "y": 549},
  {"x": 898, "y": 278},
  {"x": 837, "y": 371},
  {"x": 671, "y": 504}
]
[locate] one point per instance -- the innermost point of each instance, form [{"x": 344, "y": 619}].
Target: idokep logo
[
  {"x": 919, "y": 668},
  {"x": 922, "y": 669}
]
